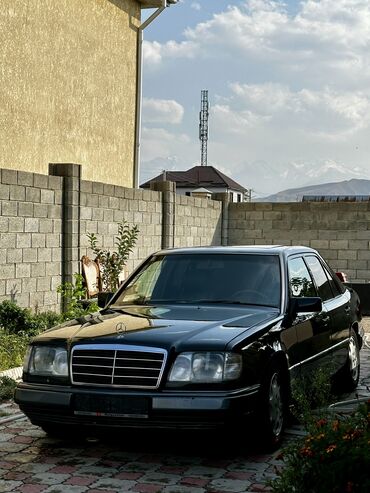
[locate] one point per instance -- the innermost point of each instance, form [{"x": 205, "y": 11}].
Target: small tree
[{"x": 112, "y": 263}]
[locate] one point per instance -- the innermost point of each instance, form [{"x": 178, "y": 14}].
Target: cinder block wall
[
  {"x": 197, "y": 221},
  {"x": 44, "y": 221},
  {"x": 30, "y": 238},
  {"x": 340, "y": 231},
  {"x": 104, "y": 206}
]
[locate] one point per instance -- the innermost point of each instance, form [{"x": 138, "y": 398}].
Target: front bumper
[{"x": 50, "y": 405}]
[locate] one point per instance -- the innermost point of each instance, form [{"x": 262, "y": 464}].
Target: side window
[
  {"x": 300, "y": 282},
  {"x": 320, "y": 277}
]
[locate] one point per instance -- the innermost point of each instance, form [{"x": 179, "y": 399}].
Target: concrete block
[
  {"x": 13, "y": 255},
  {"x": 40, "y": 181},
  {"x": 28, "y": 285},
  {"x": 23, "y": 240},
  {"x": 92, "y": 200},
  {"x": 41, "y": 210},
  {"x": 86, "y": 213},
  {"x": 57, "y": 225},
  {"x": 56, "y": 254},
  {"x": 9, "y": 177},
  {"x": 36, "y": 299},
  {"x": 44, "y": 254},
  {"x": 25, "y": 209},
  {"x": 347, "y": 254},
  {"x": 16, "y": 224},
  {"x": 17, "y": 192},
  {"x": 119, "y": 192},
  {"x": 339, "y": 244},
  {"x": 46, "y": 225},
  {"x": 22, "y": 270},
  {"x": 25, "y": 178},
  {"x": 97, "y": 214},
  {"x": 108, "y": 215},
  {"x": 86, "y": 186},
  {"x": 53, "y": 211},
  {"x": 38, "y": 240},
  {"x": 9, "y": 208},
  {"x": 98, "y": 188},
  {"x": 30, "y": 255},
  {"x": 7, "y": 240},
  {"x": 31, "y": 225},
  {"x": 4, "y": 191},
  {"x": 33, "y": 194},
  {"x": 53, "y": 240},
  {"x": 38, "y": 270},
  {"x": 103, "y": 202},
  {"x": 7, "y": 271},
  {"x": 47, "y": 196},
  {"x": 55, "y": 182},
  {"x": 2, "y": 287},
  {"x": 4, "y": 224},
  {"x": 53, "y": 269}
]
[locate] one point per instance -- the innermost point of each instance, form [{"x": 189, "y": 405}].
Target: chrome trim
[
  {"x": 214, "y": 393},
  {"x": 115, "y": 348},
  {"x": 318, "y": 355}
]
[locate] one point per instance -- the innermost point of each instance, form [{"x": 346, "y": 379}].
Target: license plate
[{"x": 111, "y": 405}]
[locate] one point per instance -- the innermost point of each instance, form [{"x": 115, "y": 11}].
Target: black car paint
[{"x": 263, "y": 335}]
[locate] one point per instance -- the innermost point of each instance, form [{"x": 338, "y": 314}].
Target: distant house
[{"x": 207, "y": 178}]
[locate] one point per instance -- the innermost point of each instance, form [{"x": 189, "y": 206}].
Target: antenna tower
[{"x": 203, "y": 127}]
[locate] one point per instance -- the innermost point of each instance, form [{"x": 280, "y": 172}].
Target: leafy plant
[
  {"x": 73, "y": 293},
  {"x": 7, "y": 387},
  {"x": 12, "y": 349},
  {"x": 17, "y": 320},
  {"x": 312, "y": 391},
  {"x": 112, "y": 263},
  {"x": 333, "y": 458}
]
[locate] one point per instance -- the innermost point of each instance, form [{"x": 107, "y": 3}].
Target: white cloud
[
  {"x": 160, "y": 142},
  {"x": 196, "y": 6},
  {"x": 326, "y": 112},
  {"x": 291, "y": 88},
  {"x": 162, "y": 111}
]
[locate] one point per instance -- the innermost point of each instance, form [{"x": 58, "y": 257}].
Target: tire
[
  {"x": 349, "y": 376},
  {"x": 273, "y": 408}
]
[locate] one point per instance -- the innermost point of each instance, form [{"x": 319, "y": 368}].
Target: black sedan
[{"x": 194, "y": 339}]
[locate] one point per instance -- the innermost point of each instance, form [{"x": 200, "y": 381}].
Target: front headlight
[
  {"x": 45, "y": 360},
  {"x": 206, "y": 367}
]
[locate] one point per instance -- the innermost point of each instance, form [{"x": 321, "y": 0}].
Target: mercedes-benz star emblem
[{"x": 121, "y": 328}]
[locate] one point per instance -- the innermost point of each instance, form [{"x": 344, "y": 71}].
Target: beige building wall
[{"x": 68, "y": 86}]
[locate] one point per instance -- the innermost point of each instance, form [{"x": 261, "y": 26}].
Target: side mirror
[
  {"x": 306, "y": 305},
  {"x": 342, "y": 276}
]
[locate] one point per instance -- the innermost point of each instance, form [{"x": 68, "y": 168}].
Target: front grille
[{"x": 117, "y": 366}]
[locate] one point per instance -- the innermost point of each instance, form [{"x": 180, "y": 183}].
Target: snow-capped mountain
[{"x": 348, "y": 188}]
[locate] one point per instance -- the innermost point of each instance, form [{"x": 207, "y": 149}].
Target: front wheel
[{"x": 273, "y": 408}]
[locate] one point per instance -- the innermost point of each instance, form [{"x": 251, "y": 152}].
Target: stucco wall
[
  {"x": 68, "y": 85},
  {"x": 340, "y": 231}
]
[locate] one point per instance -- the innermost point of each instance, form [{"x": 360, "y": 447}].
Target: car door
[
  {"x": 337, "y": 306},
  {"x": 313, "y": 331}
]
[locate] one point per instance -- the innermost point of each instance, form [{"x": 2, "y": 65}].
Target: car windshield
[{"x": 249, "y": 279}]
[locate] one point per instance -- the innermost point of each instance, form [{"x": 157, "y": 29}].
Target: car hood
[{"x": 166, "y": 326}]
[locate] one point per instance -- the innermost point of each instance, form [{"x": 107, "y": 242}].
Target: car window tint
[
  {"x": 187, "y": 278},
  {"x": 300, "y": 282},
  {"x": 320, "y": 277},
  {"x": 335, "y": 286}
]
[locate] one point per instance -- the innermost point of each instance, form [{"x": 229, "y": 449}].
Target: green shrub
[
  {"x": 73, "y": 294},
  {"x": 333, "y": 458},
  {"x": 17, "y": 320},
  {"x": 12, "y": 349},
  {"x": 311, "y": 391},
  {"x": 7, "y": 387}
]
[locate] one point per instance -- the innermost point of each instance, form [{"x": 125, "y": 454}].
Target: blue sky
[{"x": 289, "y": 88}]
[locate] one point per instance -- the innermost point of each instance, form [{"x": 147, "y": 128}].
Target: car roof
[{"x": 249, "y": 249}]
